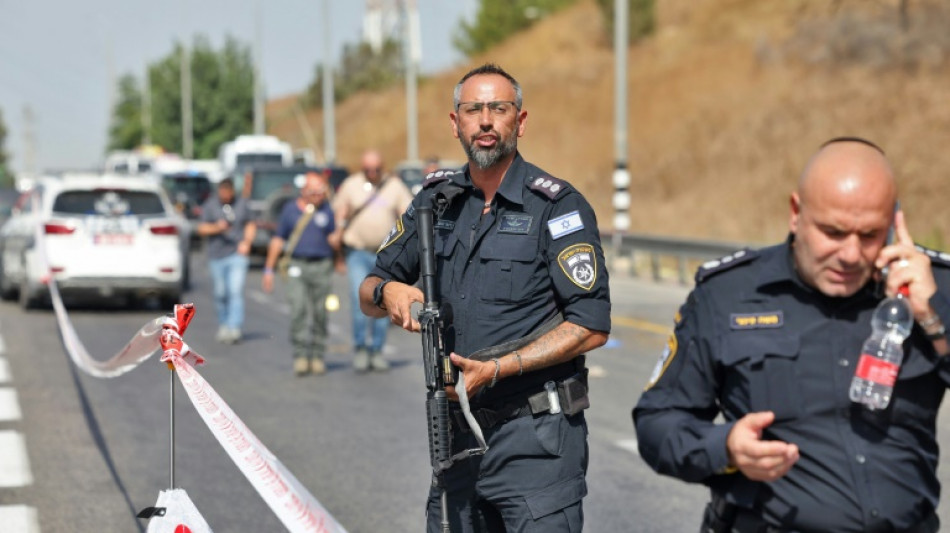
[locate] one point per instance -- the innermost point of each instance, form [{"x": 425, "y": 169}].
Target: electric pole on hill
[
  {"x": 621, "y": 176},
  {"x": 329, "y": 134},
  {"x": 187, "y": 140},
  {"x": 258, "y": 82},
  {"x": 413, "y": 55}
]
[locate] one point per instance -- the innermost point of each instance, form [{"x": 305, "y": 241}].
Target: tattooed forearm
[{"x": 561, "y": 344}]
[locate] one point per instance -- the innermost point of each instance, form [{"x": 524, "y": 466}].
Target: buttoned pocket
[
  {"x": 506, "y": 267},
  {"x": 767, "y": 365}
]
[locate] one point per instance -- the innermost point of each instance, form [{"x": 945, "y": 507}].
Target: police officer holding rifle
[{"x": 517, "y": 258}]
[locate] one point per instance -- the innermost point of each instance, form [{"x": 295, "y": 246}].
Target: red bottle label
[{"x": 877, "y": 370}]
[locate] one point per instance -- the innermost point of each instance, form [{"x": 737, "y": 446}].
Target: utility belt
[
  {"x": 723, "y": 517},
  {"x": 308, "y": 259},
  {"x": 568, "y": 396}
]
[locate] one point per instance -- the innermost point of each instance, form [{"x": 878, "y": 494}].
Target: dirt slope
[{"x": 727, "y": 101}]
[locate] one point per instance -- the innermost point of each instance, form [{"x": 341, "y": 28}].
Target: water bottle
[{"x": 882, "y": 353}]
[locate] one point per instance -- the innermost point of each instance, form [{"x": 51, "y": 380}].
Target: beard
[{"x": 488, "y": 157}]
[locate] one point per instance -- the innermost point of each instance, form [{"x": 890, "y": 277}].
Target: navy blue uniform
[
  {"x": 753, "y": 337},
  {"x": 534, "y": 256}
]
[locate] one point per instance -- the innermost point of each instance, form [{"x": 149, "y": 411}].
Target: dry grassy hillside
[{"x": 727, "y": 101}]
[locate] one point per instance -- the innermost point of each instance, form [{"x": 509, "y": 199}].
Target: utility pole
[
  {"x": 329, "y": 132},
  {"x": 187, "y": 149},
  {"x": 258, "y": 82},
  {"x": 413, "y": 56},
  {"x": 29, "y": 143},
  {"x": 147, "y": 108},
  {"x": 621, "y": 176}
]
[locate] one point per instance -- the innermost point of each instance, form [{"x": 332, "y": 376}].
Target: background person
[
  {"x": 227, "y": 225},
  {"x": 770, "y": 339},
  {"x": 308, "y": 220},
  {"x": 519, "y": 260},
  {"x": 367, "y": 205}
]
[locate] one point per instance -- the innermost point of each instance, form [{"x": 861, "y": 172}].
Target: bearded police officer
[
  {"x": 770, "y": 338},
  {"x": 520, "y": 262}
]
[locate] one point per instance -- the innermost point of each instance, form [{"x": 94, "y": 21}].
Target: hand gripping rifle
[{"x": 438, "y": 368}]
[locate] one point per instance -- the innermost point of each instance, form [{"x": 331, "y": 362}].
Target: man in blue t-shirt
[{"x": 302, "y": 233}]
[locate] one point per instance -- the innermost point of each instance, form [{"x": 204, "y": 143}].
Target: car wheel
[
  {"x": 186, "y": 274},
  {"x": 28, "y": 298},
  {"x": 167, "y": 301},
  {"x": 8, "y": 291}
]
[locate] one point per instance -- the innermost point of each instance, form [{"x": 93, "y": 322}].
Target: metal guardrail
[{"x": 681, "y": 250}]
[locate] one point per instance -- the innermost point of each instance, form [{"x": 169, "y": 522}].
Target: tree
[
  {"x": 125, "y": 132},
  {"x": 6, "y": 176},
  {"x": 222, "y": 96},
  {"x": 497, "y": 20},
  {"x": 361, "y": 69}
]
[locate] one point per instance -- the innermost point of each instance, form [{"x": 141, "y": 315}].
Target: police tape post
[{"x": 290, "y": 501}]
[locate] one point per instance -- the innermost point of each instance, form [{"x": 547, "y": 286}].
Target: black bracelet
[{"x": 938, "y": 334}]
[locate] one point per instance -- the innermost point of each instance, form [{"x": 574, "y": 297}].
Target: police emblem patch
[
  {"x": 394, "y": 234},
  {"x": 664, "y": 362},
  {"x": 579, "y": 264}
]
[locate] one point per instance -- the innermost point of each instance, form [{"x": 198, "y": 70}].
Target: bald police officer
[{"x": 769, "y": 339}]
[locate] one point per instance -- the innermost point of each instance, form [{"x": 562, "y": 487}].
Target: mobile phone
[{"x": 890, "y": 238}]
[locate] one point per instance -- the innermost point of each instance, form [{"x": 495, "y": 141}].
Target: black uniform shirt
[
  {"x": 537, "y": 253},
  {"x": 752, "y": 337}
]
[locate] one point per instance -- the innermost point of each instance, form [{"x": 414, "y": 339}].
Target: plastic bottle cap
[{"x": 904, "y": 291}]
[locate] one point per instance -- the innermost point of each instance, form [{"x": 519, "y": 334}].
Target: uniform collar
[
  {"x": 512, "y": 185},
  {"x": 780, "y": 267}
]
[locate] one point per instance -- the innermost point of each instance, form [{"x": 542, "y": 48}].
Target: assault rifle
[{"x": 439, "y": 371}]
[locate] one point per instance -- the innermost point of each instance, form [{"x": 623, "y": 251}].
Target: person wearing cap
[{"x": 769, "y": 341}]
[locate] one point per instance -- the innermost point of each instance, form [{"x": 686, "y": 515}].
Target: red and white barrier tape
[
  {"x": 296, "y": 508},
  {"x": 293, "y": 504}
]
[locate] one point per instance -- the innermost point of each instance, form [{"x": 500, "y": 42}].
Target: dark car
[
  {"x": 188, "y": 192},
  {"x": 269, "y": 187}
]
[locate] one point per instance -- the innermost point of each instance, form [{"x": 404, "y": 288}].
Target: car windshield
[
  {"x": 269, "y": 182},
  {"x": 196, "y": 187},
  {"x": 108, "y": 202},
  {"x": 253, "y": 159}
]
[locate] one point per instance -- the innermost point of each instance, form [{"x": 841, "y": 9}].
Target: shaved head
[
  {"x": 848, "y": 167},
  {"x": 840, "y": 214}
]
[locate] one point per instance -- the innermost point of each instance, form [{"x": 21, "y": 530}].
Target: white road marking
[
  {"x": 5, "y": 371},
  {"x": 9, "y": 405},
  {"x": 629, "y": 444},
  {"x": 20, "y": 518},
  {"x": 14, "y": 464}
]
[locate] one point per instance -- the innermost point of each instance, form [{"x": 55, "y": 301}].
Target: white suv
[{"x": 104, "y": 236}]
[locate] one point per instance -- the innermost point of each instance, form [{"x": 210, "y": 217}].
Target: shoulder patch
[
  {"x": 936, "y": 258},
  {"x": 548, "y": 186},
  {"x": 438, "y": 176},
  {"x": 710, "y": 268}
]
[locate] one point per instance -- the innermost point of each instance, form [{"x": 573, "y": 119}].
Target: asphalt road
[{"x": 98, "y": 449}]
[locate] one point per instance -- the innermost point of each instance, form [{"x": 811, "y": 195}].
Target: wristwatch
[{"x": 378, "y": 293}]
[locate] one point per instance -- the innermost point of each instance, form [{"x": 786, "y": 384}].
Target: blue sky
[{"x": 58, "y": 56}]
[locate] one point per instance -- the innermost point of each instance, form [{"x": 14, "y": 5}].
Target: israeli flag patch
[{"x": 565, "y": 225}]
